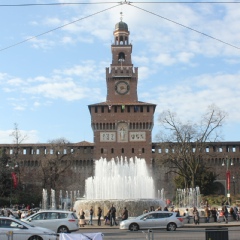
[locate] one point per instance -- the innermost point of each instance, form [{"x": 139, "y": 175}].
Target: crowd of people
[
  {"x": 17, "y": 211},
  {"x": 109, "y": 218},
  {"x": 213, "y": 212}
]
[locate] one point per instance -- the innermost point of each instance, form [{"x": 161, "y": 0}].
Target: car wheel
[
  {"x": 134, "y": 227},
  {"x": 35, "y": 238},
  {"x": 171, "y": 227},
  {"x": 63, "y": 229}
]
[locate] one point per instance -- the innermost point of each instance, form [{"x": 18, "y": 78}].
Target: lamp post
[
  {"x": 227, "y": 162},
  {"x": 234, "y": 181}
]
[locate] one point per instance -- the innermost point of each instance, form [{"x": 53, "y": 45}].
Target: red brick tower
[{"x": 122, "y": 125}]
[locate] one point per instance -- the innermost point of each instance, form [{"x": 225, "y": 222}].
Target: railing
[
  {"x": 10, "y": 235},
  {"x": 218, "y": 233}
]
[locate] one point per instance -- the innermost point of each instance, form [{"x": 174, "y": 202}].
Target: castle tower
[{"x": 122, "y": 125}]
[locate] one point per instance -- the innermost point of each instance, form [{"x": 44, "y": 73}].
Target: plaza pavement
[{"x": 186, "y": 225}]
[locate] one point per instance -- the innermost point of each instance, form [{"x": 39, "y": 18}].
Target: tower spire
[{"x": 121, "y": 16}]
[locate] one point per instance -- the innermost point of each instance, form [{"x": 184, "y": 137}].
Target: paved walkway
[{"x": 186, "y": 225}]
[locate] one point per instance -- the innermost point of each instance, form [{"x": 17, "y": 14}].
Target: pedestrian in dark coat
[
  {"x": 99, "y": 215},
  {"x": 125, "y": 214},
  {"x": 113, "y": 216},
  {"x": 225, "y": 213},
  {"x": 195, "y": 216}
]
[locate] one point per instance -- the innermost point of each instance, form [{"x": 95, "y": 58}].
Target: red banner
[
  {"x": 14, "y": 179},
  {"x": 228, "y": 180}
]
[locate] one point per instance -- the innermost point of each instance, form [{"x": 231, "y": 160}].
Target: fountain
[
  {"x": 189, "y": 197},
  {"x": 122, "y": 182},
  {"x": 53, "y": 200},
  {"x": 44, "y": 199}
]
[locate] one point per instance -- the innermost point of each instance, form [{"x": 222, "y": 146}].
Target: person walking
[
  {"x": 235, "y": 210},
  {"x": 214, "y": 214},
  {"x": 195, "y": 216},
  {"x": 82, "y": 218},
  {"x": 91, "y": 216},
  {"x": 107, "y": 218},
  {"x": 125, "y": 214},
  {"x": 207, "y": 214},
  {"x": 225, "y": 213},
  {"x": 113, "y": 216},
  {"x": 99, "y": 215},
  {"x": 186, "y": 214}
]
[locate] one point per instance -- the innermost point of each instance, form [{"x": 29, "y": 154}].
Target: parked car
[
  {"x": 156, "y": 219},
  {"x": 59, "y": 221},
  {"x": 23, "y": 231}
]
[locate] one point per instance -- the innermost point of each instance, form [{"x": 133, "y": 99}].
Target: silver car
[
  {"x": 59, "y": 221},
  {"x": 11, "y": 228},
  {"x": 156, "y": 219}
]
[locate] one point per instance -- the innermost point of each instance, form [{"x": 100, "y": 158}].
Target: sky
[{"x": 53, "y": 60}]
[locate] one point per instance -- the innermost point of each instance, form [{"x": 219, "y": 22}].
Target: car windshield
[
  {"x": 27, "y": 224},
  {"x": 74, "y": 215}
]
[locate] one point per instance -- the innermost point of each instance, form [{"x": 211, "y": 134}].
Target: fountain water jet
[
  {"x": 189, "y": 197},
  {"x": 122, "y": 182},
  {"x": 44, "y": 199}
]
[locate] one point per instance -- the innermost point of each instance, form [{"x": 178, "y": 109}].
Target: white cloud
[
  {"x": 165, "y": 59},
  {"x": 191, "y": 98},
  {"x": 16, "y": 82},
  {"x": 67, "y": 39},
  {"x": 41, "y": 43},
  {"x": 54, "y": 21},
  {"x": 185, "y": 57}
]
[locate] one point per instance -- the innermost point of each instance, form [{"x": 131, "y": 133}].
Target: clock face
[{"x": 122, "y": 87}]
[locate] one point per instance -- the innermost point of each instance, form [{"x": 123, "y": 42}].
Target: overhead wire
[
  {"x": 118, "y": 4},
  {"x": 91, "y": 3},
  {"x": 54, "y": 29},
  {"x": 52, "y": 4},
  {"x": 182, "y": 25}
]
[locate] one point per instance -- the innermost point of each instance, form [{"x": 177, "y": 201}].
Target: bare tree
[
  {"x": 185, "y": 143},
  {"x": 55, "y": 162},
  {"x": 18, "y": 138}
]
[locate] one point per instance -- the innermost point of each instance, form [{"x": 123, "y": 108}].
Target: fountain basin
[{"x": 135, "y": 207}]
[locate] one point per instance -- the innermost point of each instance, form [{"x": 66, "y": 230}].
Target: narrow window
[
  {"x": 132, "y": 150},
  {"x": 96, "y": 109},
  {"x": 112, "y": 150},
  {"x": 115, "y": 109},
  {"x": 122, "y": 150},
  {"x": 148, "y": 109},
  {"x": 101, "y": 150},
  {"x": 143, "y": 150},
  {"x": 153, "y": 149},
  {"x": 102, "y": 109},
  {"x": 128, "y": 108}
]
